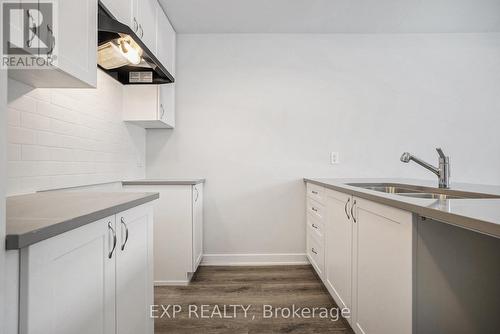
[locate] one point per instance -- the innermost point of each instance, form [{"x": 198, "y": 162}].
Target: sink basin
[
  {"x": 409, "y": 190},
  {"x": 430, "y": 196}
]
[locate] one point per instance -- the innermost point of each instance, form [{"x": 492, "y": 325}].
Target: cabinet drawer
[
  {"x": 316, "y": 227},
  {"x": 315, "y": 192},
  {"x": 315, "y": 253},
  {"x": 316, "y": 210}
]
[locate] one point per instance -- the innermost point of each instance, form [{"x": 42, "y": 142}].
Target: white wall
[
  {"x": 70, "y": 137},
  {"x": 257, "y": 113}
]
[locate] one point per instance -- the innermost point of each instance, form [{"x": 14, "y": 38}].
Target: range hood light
[
  {"x": 124, "y": 56},
  {"x": 129, "y": 52}
]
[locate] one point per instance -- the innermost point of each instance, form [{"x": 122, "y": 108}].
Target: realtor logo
[{"x": 29, "y": 38}]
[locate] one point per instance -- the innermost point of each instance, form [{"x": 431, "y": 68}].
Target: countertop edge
[
  {"x": 162, "y": 182},
  {"x": 470, "y": 223},
  {"x": 18, "y": 241}
]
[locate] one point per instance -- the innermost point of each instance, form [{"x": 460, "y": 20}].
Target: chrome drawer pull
[
  {"x": 312, "y": 250},
  {"x": 345, "y": 208},
  {"x": 314, "y": 209},
  {"x": 314, "y": 192},
  {"x": 110, "y": 255},
  {"x": 314, "y": 226},
  {"x": 352, "y": 211},
  {"x": 126, "y": 233}
]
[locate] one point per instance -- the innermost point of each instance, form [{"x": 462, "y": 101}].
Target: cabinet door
[
  {"x": 67, "y": 283},
  {"x": 197, "y": 225},
  {"x": 338, "y": 243},
  {"x": 166, "y": 109},
  {"x": 72, "y": 46},
  {"x": 134, "y": 271},
  {"x": 76, "y": 39},
  {"x": 121, "y": 10},
  {"x": 146, "y": 10},
  {"x": 383, "y": 264},
  {"x": 166, "y": 40},
  {"x": 140, "y": 102}
]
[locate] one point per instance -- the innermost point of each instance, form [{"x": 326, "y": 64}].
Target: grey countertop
[
  {"x": 163, "y": 182},
  {"x": 36, "y": 217},
  {"x": 481, "y": 215}
]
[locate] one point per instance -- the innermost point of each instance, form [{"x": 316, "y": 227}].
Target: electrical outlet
[{"x": 334, "y": 158}]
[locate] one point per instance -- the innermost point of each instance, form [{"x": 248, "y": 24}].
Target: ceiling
[{"x": 333, "y": 16}]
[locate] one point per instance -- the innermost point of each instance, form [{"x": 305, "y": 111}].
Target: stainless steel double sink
[{"x": 408, "y": 190}]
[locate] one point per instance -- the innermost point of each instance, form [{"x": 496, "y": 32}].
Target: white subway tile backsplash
[
  {"x": 62, "y": 138},
  {"x": 14, "y": 152},
  {"x": 13, "y": 117},
  {"x": 64, "y": 128},
  {"x": 35, "y": 153},
  {"x": 18, "y": 135},
  {"x": 62, "y": 154},
  {"x": 22, "y": 168},
  {"x": 23, "y": 103},
  {"x": 34, "y": 121}
]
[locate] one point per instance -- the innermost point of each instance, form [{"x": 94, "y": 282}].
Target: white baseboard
[
  {"x": 171, "y": 283},
  {"x": 254, "y": 259}
]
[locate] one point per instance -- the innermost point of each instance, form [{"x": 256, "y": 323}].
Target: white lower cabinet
[
  {"x": 368, "y": 260},
  {"x": 82, "y": 282},
  {"x": 178, "y": 231},
  {"x": 339, "y": 230},
  {"x": 382, "y": 269},
  {"x": 134, "y": 271}
]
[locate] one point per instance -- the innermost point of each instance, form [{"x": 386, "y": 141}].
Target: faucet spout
[
  {"x": 407, "y": 157},
  {"x": 442, "y": 172}
]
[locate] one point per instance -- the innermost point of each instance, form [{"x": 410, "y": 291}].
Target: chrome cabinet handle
[
  {"x": 352, "y": 211},
  {"x": 142, "y": 31},
  {"x": 52, "y": 41},
  {"x": 314, "y": 209},
  {"x": 314, "y": 192},
  {"x": 135, "y": 25},
  {"x": 197, "y": 194},
  {"x": 110, "y": 255},
  {"x": 29, "y": 42},
  {"x": 162, "y": 111},
  {"x": 314, "y": 251},
  {"x": 345, "y": 208},
  {"x": 314, "y": 226},
  {"x": 126, "y": 233}
]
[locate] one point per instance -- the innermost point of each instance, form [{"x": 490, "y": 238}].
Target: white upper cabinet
[
  {"x": 139, "y": 15},
  {"x": 166, "y": 39},
  {"x": 121, "y": 10},
  {"x": 146, "y": 106},
  {"x": 146, "y": 18},
  {"x": 69, "y": 40}
]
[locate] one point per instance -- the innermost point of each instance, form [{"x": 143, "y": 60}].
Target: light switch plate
[{"x": 334, "y": 158}]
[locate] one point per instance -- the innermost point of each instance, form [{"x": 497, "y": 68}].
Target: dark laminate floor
[{"x": 279, "y": 286}]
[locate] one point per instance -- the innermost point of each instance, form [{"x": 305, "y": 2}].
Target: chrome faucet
[{"x": 442, "y": 172}]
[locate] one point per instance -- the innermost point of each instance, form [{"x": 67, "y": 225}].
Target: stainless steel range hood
[{"x": 123, "y": 55}]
